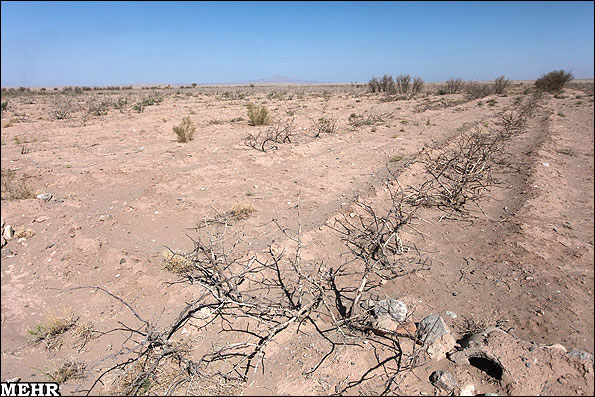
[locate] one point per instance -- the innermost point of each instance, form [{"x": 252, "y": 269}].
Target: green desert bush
[
  {"x": 403, "y": 84},
  {"x": 475, "y": 90},
  {"x": 417, "y": 86},
  {"x": 553, "y": 81},
  {"x": 374, "y": 85},
  {"x": 452, "y": 86},
  {"x": 500, "y": 85},
  {"x": 185, "y": 131},
  {"x": 258, "y": 115}
]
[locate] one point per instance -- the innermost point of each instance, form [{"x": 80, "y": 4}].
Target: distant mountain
[
  {"x": 281, "y": 79},
  {"x": 275, "y": 79}
]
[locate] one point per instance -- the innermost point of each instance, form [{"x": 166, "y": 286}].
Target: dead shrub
[
  {"x": 258, "y": 115},
  {"x": 121, "y": 104},
  {"x": 99, "y": 108},
  {"x": 185, "y": 131},
  {"x": 553, "y": 82},
  {"x": 63, "y": 108},
  {"x": 324, "y": 125},
  {"x": 280, "y": 132},
  {"x": 357, "y": 120}
]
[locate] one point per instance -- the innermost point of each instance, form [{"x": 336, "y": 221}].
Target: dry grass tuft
[
  {"x": 83, "y": 334},
  {"x": 242, "y": 211},
  {"x": 51, "y": 332},
  {"x": 177, "y": 263},
  {"x": 185, "y": 131},
  {"x": 14, "y": 188},
  {"x": 258, "y": 115},
  {"x": 70, "y": 370}
]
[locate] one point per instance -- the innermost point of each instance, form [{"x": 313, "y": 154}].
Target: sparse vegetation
[
  {"x": 152, "y": 100},
  {"x": 14, "y": 188},
  {"x": 553, "y": 82},
  {"x": 63, "y": 108},
  {"x": 185, "y": 130},
  {"x": 357, "y": 120}
]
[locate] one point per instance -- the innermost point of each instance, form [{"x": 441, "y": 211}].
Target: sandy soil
[{"x": 123, "y": 188}]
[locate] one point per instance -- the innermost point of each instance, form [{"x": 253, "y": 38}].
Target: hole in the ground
[{"x": 488, "y": 366}]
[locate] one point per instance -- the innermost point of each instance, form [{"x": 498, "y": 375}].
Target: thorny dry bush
[
  {"x": 357, "y": 120},
  {"x": 324, "y": 125},
  {"x": 462, "y": 174},
  {"x": 253, "y": 298},
  {"x": 269, "y": 139},
  {"x": 63, "y": 107}
]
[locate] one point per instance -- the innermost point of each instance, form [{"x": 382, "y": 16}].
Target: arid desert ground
[{"x": 213, "y": 267}]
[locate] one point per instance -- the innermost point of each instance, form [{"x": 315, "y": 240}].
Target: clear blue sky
[{"x": 102, "y": 43}]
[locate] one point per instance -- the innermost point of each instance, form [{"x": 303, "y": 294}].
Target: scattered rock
[
  {"x": 123, "y": 260},
  {"x": 3, "y": 242},
  {"x": 6, "y": 253},
  {"x": 443, "y": 380},
  {"x": 451, "y": 314},
  {"x": 396, "y": 309},
  {"x": 390, "y": 316},
  {"x": 431, "y": 328},
  {"x": 467, "y": 390},
  {"x": 439, "y": 347},
  {"x": 581, "y": 355},
  {"x": 41, "y": 219},
  {"x": 203, "y": 313},
  {"x": 8, "y": 232},
  {"x": 556, "y": 346},
  {"x": 45, "y": 196}
]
